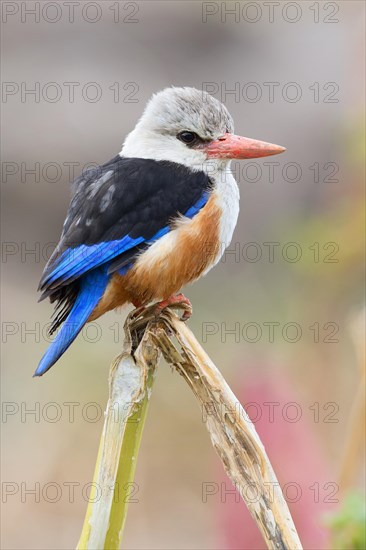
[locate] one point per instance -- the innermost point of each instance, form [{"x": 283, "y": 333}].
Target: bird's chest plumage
[
  {"x": 183, "y": 255},
  {"x": 191, "y": 249}
]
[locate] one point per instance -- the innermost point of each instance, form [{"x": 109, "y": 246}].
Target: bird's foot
[{"x": 178, "y": 301}]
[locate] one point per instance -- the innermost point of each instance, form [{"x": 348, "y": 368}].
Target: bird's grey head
[
  {"x": 191, "y": 127},
  {"x": 176, "y": 125}
]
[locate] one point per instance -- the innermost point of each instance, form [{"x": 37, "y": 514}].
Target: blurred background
[{"x": 281, "y": 315}]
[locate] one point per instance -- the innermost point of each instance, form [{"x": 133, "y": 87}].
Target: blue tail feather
[{"x": 92, "y": 288}]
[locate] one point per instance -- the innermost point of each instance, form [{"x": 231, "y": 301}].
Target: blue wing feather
[
  {"x": 92, "y": 288},
  {"x": 74, "y": 262}
]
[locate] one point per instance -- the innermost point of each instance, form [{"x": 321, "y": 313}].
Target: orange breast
[{"x": 173, "y": 261}]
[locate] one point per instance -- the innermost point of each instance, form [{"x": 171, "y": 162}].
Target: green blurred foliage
[{"x": 348, "y": 525}]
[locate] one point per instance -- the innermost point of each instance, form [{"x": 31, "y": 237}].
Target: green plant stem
[
  {"x": 124, "y": 489},
  {"x": 130, "y": 388}
]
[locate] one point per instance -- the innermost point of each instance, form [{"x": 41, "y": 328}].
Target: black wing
[{"x": 118, "y": 208}]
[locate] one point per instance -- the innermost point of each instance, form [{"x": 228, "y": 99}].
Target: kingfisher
[{"x": 154, "y": 218}]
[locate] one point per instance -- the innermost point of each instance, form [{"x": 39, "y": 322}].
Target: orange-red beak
[{"x": 231, "y": 146}]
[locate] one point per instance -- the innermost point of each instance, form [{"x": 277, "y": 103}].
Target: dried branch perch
[
  {"x": 232, "y": 433},
  {"x": 354, "y": 447}
]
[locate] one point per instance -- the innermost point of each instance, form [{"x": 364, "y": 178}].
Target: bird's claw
[{"x": 179, "y": 302}]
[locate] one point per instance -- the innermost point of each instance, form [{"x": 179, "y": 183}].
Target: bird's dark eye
[{"x": 188, "y": 137}]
